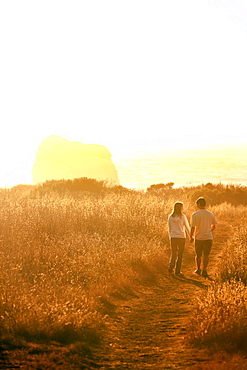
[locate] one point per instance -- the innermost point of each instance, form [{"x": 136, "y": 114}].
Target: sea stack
[{"x": 58, "y": 158}]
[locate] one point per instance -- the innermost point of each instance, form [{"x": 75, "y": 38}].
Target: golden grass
[
  {"x": 61, "y": 257},
  {"x": 234, "y": 258},
  {"x": 220, "y": 316},
  {"x": 221, "y": 313}
]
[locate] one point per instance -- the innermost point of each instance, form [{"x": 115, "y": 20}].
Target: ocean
[{"x": 184, "y": 167}]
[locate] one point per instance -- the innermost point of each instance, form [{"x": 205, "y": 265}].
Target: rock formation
[{"x": 58, "y": 158}]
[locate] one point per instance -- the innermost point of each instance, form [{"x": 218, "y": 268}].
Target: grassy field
[
  {"x": 61, "y": 256},
  {"x": 64, "y": 251}
]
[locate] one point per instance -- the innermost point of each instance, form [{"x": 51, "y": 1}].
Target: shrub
[
  {"x": 218, "y": 194},
  {"x": 82, "y": 184},
  {"x": 160, "y": 187}
]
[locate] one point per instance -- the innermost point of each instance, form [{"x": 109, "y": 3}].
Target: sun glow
[{"x": 132, "y": 76}]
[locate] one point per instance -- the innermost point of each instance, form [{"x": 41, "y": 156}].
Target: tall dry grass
[
  {"x": 62, "y": 256},
  {"x": 220, "y": 316},
  {"x": 221, "y": 313}
]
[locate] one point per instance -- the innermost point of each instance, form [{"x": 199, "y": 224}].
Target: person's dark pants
[{"x": 177, "y": 250}]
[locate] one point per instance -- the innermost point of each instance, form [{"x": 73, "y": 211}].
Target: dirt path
[{"x": 151, "y": 329}]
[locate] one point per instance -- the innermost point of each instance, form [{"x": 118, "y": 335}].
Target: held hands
[{"x": 191, "y": 239}]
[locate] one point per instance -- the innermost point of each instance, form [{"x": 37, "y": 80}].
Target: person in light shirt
[
  {"x": 178, "y": 227},
  {"x": 202, "y": 225}
]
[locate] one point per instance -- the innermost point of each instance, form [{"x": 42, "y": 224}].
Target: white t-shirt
[
  {"x": 202, "y": 220},
  {"x": 178, "y": 226}
]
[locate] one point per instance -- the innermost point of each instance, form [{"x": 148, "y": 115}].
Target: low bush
[
  {"x": 218, "y": 194},
  {"x": 214, "y": 194},
  {"x": 65, "y": 186}
]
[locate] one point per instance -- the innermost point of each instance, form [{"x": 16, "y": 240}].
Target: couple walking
[{"x": 202, "y": 224}]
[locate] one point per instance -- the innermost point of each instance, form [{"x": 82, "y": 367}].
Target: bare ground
[{"x": 147, "y": 330}]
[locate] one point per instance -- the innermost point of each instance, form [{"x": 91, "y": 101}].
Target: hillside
[{"x": 85, "y": 283}]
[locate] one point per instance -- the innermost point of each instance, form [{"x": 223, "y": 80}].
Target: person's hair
[
  {"x": 201, "y": 202},
  {"x": 177, "y": 209}
]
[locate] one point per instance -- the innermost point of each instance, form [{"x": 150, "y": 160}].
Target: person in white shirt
[
  {"x": 178, "y": 227},
  {"x": 202, "y": 224}
]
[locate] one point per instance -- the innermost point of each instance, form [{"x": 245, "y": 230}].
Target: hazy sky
[{"x": 126, "y": 74}]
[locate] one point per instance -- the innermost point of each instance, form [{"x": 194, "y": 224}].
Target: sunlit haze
[{"x": 129, "y": 75}]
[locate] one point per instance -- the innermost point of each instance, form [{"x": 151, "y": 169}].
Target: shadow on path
[{"x": 190, "y": 281}]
